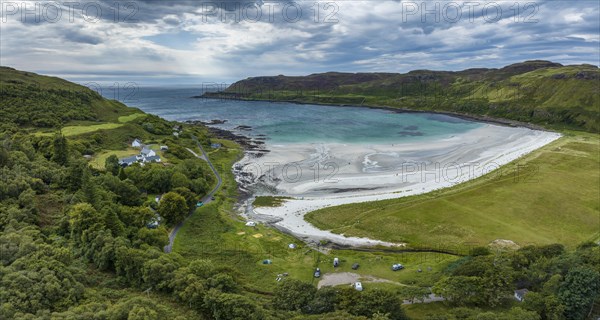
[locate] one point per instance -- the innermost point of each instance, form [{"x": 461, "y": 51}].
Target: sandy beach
[{"x": 320, "y": 175}]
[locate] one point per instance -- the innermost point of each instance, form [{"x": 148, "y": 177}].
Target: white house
[
  {"x": 137, "y": 143},
  {"x": 520, "y": 294},
  {"x": 147, "y": 152},
  {"x": 146, "y": 155},
  {"x": 175, "y": 133},
  {"x": 164, "y": 148}
]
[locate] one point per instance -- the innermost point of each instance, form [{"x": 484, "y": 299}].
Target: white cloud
[{"x": 368, "y": 36}]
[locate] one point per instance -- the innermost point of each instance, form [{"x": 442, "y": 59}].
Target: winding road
[{"x": 207, "y": 198}]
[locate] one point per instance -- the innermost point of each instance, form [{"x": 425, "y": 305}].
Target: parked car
[
  {"x": 317, "y": 273},
  {"x": 355, "y": 266},
  {"x": 397, "y": 266},
  {"x": 358, "y": 286},
  {"x": 336, "y": 262},
  {"x": 199, "y": 204},
  {"x": 212, "y": 198}
]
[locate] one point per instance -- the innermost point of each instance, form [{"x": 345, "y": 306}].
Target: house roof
[
  {"x": 145, "y": 150},
  {"x": 153, "y": 158},
  {"x": 128, "y": 160},
  {"x": 137, "y": 140},
  {"x": 521, "y": 292}
]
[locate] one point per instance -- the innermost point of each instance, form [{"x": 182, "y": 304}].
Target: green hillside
[
  {"x": 30, "y": 100},
  {"x": 539, "y": 92}
]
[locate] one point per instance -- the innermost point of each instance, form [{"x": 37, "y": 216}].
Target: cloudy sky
[{"x": 195, "y": 41}]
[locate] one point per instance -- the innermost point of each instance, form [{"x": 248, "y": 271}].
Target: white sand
[{"x": 329, "y": 174}]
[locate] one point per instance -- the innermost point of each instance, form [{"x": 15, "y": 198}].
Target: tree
[
  {"x": 324, "y": 301},
  {"x": 223, "y": 282},
  {"x": 293, "y": 295},
  {"x": 229, "y": 306},
  {"x": 459, "y": 290},
  {"x": 129, "y": 194},
  {"x": 190, "y": 197},
  {"x": 579, "y": 291},
  {"x": 88, "y": 188},
  {"x": 158, "y": 273},
  {"x": 122, "y": 174},
  {"x": 497, "y": 283},
  {"x": 81, "y": 218},
  {"x": 60, "y": 150},
  {"x": 112, "y": 165},
  {"x": 173, "y": 208},
  {"x": 179, "y": 180},
  {"x": 381, "y": 302},
  {"x": 414, "y": 294}
]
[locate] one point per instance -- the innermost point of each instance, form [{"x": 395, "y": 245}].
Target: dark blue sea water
[{"x": 290, "y": 123}]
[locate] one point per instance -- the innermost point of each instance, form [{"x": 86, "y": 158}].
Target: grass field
[
  {"x": 100, "y": 159},
  {"x": 268, "y": 201},
  {"x": 554, "y": 198},
  {"x": 131, "y": 117},
  {"x": 82, "y": 129}
]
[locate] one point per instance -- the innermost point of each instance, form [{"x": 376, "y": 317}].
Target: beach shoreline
[
  {"x": 366, "y": 172},
  {"x": 479, "y": 151}
]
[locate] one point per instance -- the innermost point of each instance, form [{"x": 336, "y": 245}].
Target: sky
[{"x": 199, "y": 41}]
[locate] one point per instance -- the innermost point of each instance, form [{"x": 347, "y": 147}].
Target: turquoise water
[{"x": 298, "y": 123}]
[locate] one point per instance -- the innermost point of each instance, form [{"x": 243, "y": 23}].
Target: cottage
[
  {"x": 147, "y": 152},
  {"x": 175, "y": 133},
  {"x": 137, "y": 143},
  {"x": 124, "y": 162},
  {"x": 215, "y": 145},
  {"x": 164, "y": 148},
  {"x": 251, "y": 224},
  {"x": 520, "y": 294}
]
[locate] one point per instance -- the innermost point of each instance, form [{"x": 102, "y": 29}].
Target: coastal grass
[
  {"x": 99, "y": 159},
  {"x": 82, "y": 129},
  {"x": 269, "y": 201},
  {"x": 548, "y": 196},
  {"x": 131, "y": 117}
]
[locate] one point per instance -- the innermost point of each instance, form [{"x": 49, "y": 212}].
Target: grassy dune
[{"x": 550, "y": 195}]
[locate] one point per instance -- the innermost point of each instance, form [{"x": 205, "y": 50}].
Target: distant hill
[
  {"x": 540, "y": 92},
  {"x": 31, "y": 100}
]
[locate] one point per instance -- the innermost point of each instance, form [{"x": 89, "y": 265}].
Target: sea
[{"x": 282, "y": 122}]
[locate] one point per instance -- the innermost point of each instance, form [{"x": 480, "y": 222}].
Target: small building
[
  {"x": 251, "y": 224},
  {"x": 215, "y": 145},
  {"x": 147, "y": 152},
  {"x": 152, "y": 159},
  {"x": 87, "y": 157},
  {"x": 137, "y": 143},
  {"x": 520, "y": 294},
  {"x": 125, "y": 162},
  {"x": 164, "y": 148},
  {"x": 175, "y": 133}
]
